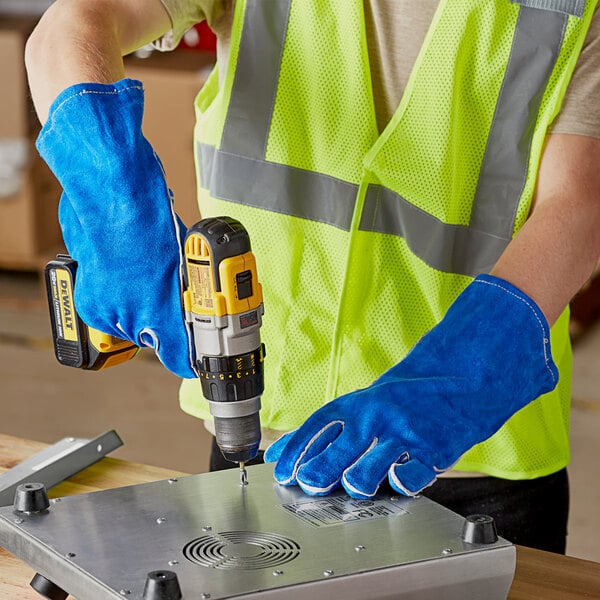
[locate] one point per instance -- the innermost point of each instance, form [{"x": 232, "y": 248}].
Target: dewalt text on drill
[{"x": 76, "y": 344}]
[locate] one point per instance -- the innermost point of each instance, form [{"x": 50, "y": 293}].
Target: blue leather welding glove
[
  {"x": 118, "y": 220},
  {"x": 486, "y": 359}
]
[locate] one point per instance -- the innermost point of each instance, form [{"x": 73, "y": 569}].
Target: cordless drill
[
  {"x": 224, "y": 307},
  {"x": 223, "y": 303}
]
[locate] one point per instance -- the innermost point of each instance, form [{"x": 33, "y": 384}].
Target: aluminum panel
[{"x": 224, "y": 540}]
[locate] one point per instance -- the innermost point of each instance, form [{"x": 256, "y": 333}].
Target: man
[{"x": 420, "y": 219}]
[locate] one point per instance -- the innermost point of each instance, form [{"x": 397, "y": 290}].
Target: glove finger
[
  {"x": 410, "y": 477},
  {"x": 309, "y": 441},
  {"x": 175, "y": 351},
  {"x": 323, "y": 473},
  {"x": 274, "y": 450},
  {"x": 174, "y": 348},
  {"x": 363, "y": 478}
]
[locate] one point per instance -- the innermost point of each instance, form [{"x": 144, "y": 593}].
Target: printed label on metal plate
[{"x": 325, "y": 512}]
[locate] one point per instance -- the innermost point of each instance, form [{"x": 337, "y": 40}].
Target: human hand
[
  {"x": 486, "y": 359},
  {"x": 118, "y": 220}
]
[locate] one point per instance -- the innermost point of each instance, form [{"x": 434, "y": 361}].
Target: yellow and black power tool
[
  {"x": 224, "y": 305},
  {"x": 224, "y": 308}
]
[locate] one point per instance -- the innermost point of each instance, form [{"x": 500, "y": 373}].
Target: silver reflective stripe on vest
[
  {"x": 536, "y": 46},
  {"x": 569, "y": 7},
  {"x": 238, "y": 171},
  {"x": 278, "y": 188},
  {"x": 475, "y": 248},
  {"x": 253, "y": 93},
  {"x": 447, "y": 248}
]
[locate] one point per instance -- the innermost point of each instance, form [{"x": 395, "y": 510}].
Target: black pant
[{"x": 531, "y": 512}]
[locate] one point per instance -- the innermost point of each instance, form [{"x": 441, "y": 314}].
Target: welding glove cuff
[
  {"x": 118, "y": 220},
  {"x": 487, "y": 358}
]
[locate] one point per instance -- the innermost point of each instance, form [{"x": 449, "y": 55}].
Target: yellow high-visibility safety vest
[{"x": 364, "y": 240}]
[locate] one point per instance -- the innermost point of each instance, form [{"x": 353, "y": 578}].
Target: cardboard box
[
  {"x": 29, "y": 229},
  {"x": 171, "y": 82},
  {"x": 13, "y": 99}
]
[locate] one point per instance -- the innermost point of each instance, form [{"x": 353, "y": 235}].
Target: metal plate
[{"x": 224, "y": 540}]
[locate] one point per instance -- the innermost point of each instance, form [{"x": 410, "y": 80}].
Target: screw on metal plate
[
  {"x": 277, "y": 572},
  {"x": 161, "y": 520},
  {"x": 172, "y": 563},
  {"x": 173, "y": 480},
  {"x": 328, "y": 572},
  {"x": 204, "y": 596},
  {"x": 447, "y": 551},
  {"x": 124, "y": 592},
  {"x": 31, "y": 498},
  {"x": 207, "y": 528},
  {"x": 359, "y": 548}
]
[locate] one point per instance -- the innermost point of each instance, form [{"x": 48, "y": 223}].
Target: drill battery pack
[{"x": 76, "y": 344}]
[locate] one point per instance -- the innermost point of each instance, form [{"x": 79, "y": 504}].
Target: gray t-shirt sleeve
[
  {"x": 580, "y": 113},
  {"x": 186, "y": 13}
]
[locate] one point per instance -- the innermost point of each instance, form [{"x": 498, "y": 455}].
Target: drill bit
[{"x": 243, "y": 474}]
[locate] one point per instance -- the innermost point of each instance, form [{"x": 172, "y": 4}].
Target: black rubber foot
[
  {"x": 479, "y": 529},
  {"x": 31, "y": 497},
  {"x": 47, "y": 589},
  {"x": 162, "y": 585}
]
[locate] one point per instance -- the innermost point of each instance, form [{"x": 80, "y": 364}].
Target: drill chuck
[
  {"x": 233, "y": 386},
  {"x": 238, "y": 437}
]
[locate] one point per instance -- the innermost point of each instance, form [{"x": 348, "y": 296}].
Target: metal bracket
[{"x": 57, "y": 463}]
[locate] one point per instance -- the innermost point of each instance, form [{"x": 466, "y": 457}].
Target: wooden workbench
[{"x": 539, "y": 576}]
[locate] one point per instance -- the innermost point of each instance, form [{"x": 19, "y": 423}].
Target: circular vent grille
[{"x": 241, "y": 550}]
